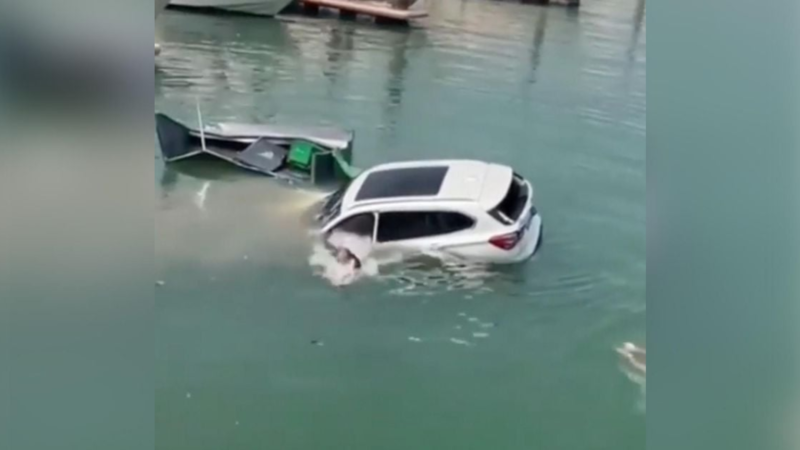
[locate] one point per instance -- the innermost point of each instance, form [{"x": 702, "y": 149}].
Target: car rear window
[
  {"x": 513, "y": 204},
  {"x": 399, "y": 226}
]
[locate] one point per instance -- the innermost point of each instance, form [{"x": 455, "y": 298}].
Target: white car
[{"x": 471, "y": 209}]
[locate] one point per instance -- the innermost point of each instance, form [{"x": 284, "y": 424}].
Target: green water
[{"x": 558, "y": 94}]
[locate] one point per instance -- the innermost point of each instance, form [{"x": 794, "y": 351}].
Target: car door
[
  {"x": 420, "y": 230},
  {"x": 356, "y": 233}
]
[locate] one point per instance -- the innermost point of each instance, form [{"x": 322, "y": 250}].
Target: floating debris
[
  {"x": 480, "y": 335},
  {"x": 635, "y": 358},
  {"x": 245, "y": 257},
  {"x": 414, "y": 339},
  {"x": 634, "y": 366},
  {"x": 473, "y": 319},
  {"x": 188, "y": 395},
  {"x": 488, "y": 325},
  {"x": 236, "y": 423},
  {"x": 460, "y": 342},
  {"x": 160, "y": 283},
  {"x": 462, "y": 314},
  {"x": 457, "y": 327},
  {"x": 317, "y": 342}
]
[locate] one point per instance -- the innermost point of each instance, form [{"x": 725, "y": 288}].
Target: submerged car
[{"x": 471, "y": 209}]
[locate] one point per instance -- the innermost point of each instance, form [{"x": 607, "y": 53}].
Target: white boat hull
[{"x": 256, "y": 7}]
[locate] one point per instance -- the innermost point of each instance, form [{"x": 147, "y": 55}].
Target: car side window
[
  {"x": 361, "y": 224},
  {"x": 400, "y": 226},
  {"x": 450, "y": 222}
]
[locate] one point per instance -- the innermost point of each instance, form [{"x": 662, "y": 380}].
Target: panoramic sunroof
[{"x": 411, "y": 182}]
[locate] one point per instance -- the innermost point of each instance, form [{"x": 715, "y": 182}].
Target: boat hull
[
  {"x": 253, "y": 7},
  {"x": 262, "y": 149}
]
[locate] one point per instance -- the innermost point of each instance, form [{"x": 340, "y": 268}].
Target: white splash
[
  {"x": 634, "y": 365},
  {"x": 635, "y": 358},
  {"x": 201, "y": 195},
  {"x": 336, "y": 272}
]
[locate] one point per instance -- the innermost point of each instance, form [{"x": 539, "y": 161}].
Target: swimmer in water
[
  {"x": 349, "y": 267},
  {"x": 346, "y": 257}
]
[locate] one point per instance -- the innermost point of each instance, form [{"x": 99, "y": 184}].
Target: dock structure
[
  {"x": 382, "y": 12},
  {"x": 568, "y": 3}
]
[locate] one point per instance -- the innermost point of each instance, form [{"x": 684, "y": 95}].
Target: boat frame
[{"x": 264, "y": 149}]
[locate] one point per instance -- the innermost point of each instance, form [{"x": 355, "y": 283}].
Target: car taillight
[{"x": 505, "y": 241}]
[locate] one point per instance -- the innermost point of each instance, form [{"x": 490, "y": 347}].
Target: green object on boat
[
  {"x": 344, "y": 167},
  {"x": 300, "y": 154},
  {"x": 323, "y": 165}
]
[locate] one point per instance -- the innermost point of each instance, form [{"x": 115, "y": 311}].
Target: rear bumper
[{"x": 532, "y": 241}]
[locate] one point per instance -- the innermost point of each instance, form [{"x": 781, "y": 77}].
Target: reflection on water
[
  {"x": 558, "y": 94},
  {"x": 538, "y": 40},
  {"x": 378, "y": 81},
  {"x": 638, "y": 23}
]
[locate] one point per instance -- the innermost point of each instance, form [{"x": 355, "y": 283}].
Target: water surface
[{"x": 255, "y": 350}]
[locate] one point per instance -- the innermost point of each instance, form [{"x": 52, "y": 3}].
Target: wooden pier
[{"x": 382, "y": 12}]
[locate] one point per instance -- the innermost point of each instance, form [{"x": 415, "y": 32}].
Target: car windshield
[{"x": 332, "y": 206}]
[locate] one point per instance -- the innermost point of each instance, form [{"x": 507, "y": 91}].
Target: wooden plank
[{"x": 375, "y": 9}]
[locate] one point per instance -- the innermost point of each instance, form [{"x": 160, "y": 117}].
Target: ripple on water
[
  {"x": 558, "y": 94},
  {"x": 432, "y": 276}
]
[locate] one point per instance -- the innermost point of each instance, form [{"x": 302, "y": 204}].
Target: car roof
[{"x": 433, "y": 180}]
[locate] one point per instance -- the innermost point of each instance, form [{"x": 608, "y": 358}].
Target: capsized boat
[{"x": 315, "y": 155}]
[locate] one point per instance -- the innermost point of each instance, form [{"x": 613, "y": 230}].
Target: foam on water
[
  {"x": 425, "y": 273},
  {"x": 324, "y": 261},
  {"x": 634, "y": 365}
]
